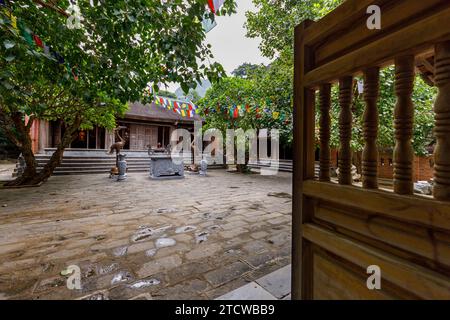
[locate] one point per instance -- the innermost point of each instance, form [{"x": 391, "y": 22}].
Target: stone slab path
[
  {"x": 196, "y": 238},
  {"x": 273, "y": 286}
]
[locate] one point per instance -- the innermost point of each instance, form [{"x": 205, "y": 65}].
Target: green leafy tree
[
  {"x": 120, "y": 48},
  {"x": 217, "y": 106},
  {"x": 274, "y": 23}
]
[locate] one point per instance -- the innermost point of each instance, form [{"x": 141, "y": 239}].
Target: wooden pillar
[
  {"x": 403, "y": 123},
  {"x": 345, "y": 130},
  {"x": 303, "y": 166},
  {"x": 324, "y": 132},
  {"x": 370, "y": 129},
  {"x": 442, "y": 128}
]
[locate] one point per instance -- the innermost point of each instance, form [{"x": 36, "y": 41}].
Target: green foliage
[
  {"x": 122, "y": 47},
  {"x": 167, "y": 94},
  {"x": 423, "y": 98},
  {"x": 268, "y": 88},
  {"x": 274, "y": 23},
  {"x": 247, "y": 70},
  {"x": 227, "y": 92},
  {"x": 275, "y": 20}
]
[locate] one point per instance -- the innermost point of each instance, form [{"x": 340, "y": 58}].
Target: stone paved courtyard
[{"x": 196, "y": 238}]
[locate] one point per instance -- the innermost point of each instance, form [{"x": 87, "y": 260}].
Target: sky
[{"x": 230, "y": 47}]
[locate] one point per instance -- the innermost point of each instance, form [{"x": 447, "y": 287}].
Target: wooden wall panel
[
  {"x": 333, "y": 280},
  {"x": 408, "y": 276}
]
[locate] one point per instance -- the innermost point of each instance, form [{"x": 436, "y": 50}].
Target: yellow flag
[
  {"x": 14, "y": 22},
  {"x": 275, "y": 115}
]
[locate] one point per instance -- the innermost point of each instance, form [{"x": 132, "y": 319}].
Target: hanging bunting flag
[
  {"x": 215, "y": 5},
  {"x": 13, "y": 21},
  {"x": 26, "y": 34},
  {"x": 208, "y": 24},
  {"x": 275, "y": 115},
  {"x": 235, "y": 112},
  {"x": 360, "y": 86},
  {"x": 38, "y": 41}
]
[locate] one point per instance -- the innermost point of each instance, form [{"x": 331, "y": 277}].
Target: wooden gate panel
[{"x": 340, "y": 229}]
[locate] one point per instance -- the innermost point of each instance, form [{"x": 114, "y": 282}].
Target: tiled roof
[{"x": 152, "y": 111}]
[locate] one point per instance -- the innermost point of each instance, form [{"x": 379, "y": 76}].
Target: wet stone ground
[{"x": 196, "y": 238}]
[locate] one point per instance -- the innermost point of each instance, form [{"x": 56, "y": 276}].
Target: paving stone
[
  {"x": 203, "y": 251},
  {"x": 152, "y": 267},
  {"x": 232, "y": 233},
  {"x": 188, "y": 271},
  {"x": 251, "y": 291},
  {"x": 280, "y": 238},
  {"x": 227, "y": 273},
  {"x": 255, "y": 246},
  {"x": 187, "y": 290},
  {"x": 67, "y": 221},
  {"x": 259, "y": 234},
  {"x": 278, "y": 283},
  {"x": 138, "y": 247}
]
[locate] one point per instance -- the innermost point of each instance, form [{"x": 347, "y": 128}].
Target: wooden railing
[{"x": 335, "y": 50}]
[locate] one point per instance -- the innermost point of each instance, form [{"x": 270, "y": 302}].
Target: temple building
[
  {"x": 146, "y": 125},
  {"x": 149, "y": 124}
]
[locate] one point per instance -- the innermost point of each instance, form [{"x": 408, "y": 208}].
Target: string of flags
[
  {"x": 188, "y": 109},
  {"x": 215, "y": 5},
  {"x": 34, "y": 41},
  {"x": 185, "y": 109},
  {"x": 236, "y": 111}
]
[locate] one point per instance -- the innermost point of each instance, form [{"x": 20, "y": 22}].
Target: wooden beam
[
  {"x": 413, "y": 278},
  {"x": 413, "y": 39},
  {"x": 404, "y": 123},
  {"x": 303, "y": 110},
  {"x": 406, "y": 208}
]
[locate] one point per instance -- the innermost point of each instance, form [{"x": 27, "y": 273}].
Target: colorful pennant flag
[
  {"x": 34, "y": 40},
  {"x": 215, "y": 5}
]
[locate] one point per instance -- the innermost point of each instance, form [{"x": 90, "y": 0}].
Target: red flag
[
  {"x": 211, "y": 6},
  {"x": 215, "y": 5},
  {"x": 235, "y": 112},
  {"x": 38, "y": 41}
]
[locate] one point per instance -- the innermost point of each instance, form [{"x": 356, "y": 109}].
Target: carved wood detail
[
  {"x": 325, "y": 131},
  {"x": 442, "y": 126},
  {"x": 370, "y": 128},
  {"x": 345, "y": 130},
  {"x": 403, "y": 123}
]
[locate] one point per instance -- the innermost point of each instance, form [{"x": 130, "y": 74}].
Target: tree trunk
[
  {"x": 19, "y": 133},
  {"x": 55, "y": 160}
]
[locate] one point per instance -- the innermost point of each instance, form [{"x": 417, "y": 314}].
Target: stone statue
[
  {"x": 118, "y": 145},
  {"x": 203, "y": 167}
]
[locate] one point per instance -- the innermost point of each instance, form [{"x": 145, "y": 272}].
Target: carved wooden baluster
[
  {"x": 370, "y": 152},
  {"x": 442, "y": 128},
  {"x": 324, "y": 133},
  {"x": 345, "y": 130},
  {"x": 403, "y": 123}
]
